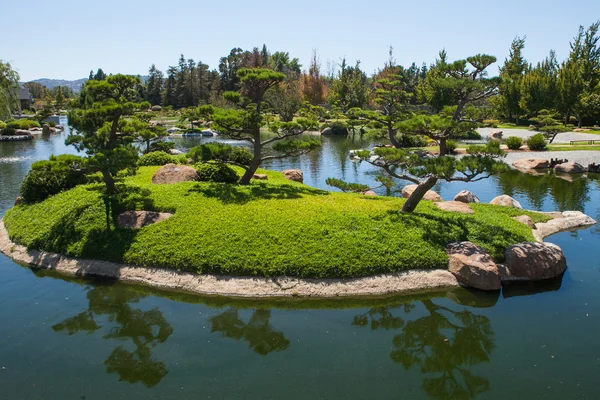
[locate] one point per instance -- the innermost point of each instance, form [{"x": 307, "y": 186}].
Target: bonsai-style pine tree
[
  {"x": 103, "y": 131},
  {"x": 245, "y": 121}
]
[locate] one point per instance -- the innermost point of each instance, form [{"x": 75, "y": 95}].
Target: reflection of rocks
[
  {"x": 430, "y": 195},
  {"x": 473, "y": 266},
  {"x": 474, "y": 298},
  {"x": 535, "y": 261},
  {"x": 529, "y": 288},
  {"x": 258, "y": 332},
  {"x": 465, "y": 196},
  {"x": 145, "y": 329},
  {"x": 506, "y": 201}
]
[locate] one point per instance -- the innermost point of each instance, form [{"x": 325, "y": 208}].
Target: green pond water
[{"x": 63, "y": 338}]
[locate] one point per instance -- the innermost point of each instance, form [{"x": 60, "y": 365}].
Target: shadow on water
[
  {"x": 110, "y": 306},
  {"x": 443, "y": 344},
  {"x": 235, "y": 194}
]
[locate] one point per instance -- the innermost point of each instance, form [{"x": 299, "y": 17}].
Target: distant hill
[
  {"x": 52, "y": 83},
  {"x": 74, "y": 85}
]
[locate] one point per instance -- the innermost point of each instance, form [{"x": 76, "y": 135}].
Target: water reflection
[
  {"x": 111, "y": 305},
  {"x": 443, "y": 344},
  {"x": 258, "y": 332}
]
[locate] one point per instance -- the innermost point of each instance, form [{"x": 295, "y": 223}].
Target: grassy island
[{"x": 269, "y": 228}]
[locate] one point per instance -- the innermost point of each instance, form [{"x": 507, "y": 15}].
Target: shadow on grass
[{"x": 237, "y": 194}]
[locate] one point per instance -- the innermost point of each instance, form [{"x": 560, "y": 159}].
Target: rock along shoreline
[{"x": 262, "y": 287}]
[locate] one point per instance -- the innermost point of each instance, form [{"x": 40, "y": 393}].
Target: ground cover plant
[{"x": 267, "y": 228}]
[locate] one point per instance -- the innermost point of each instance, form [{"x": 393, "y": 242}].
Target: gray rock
[
  {"x": 535, "y": 261},
  {"x": 532, "y": 163},
  {"x": 293, "y": 175},
  {"x": 139, "y": 219},
  {"x": 173, "y": 173},
  {"x": 569, "y": 168},
  {"x": 454, "y": 206},
  {"x": 506, "y": 201},
  {"x": 430, "y": 195},
  {"x": 464, "y": 196},
  {"x": 473, "y": 266}
]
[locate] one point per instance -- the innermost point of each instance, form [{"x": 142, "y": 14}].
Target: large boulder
[
  {"x": 532, "y": 163},
  {"x": 506, "y": 201},
  {"x": 569, "y": 168},
  {"x": 139, "y": 219},
  {"x": 464, "y": 196},
  {"x": 369, "y": 193},
  {"x": 430, "y": 195},
  {"x": 473, "y": 266},
  {"x": 293, "y": 175},
  {"x": 535, "y": 261},
  {"x": 454, "y": 206},
  {"x": 48, "y": 129},
  {"x": 173, "y": 173}
]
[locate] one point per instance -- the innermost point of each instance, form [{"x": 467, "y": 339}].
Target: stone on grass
[
  {"x": 260, "y": 176},
  {"x": 506, "y": 201},
  {"x": 535, "y": 261},
  {"x": 454, "y": 206},
  {"x": 525, "y": 219},
  {"x": 369, "y": 193},
  {"x": 139, "y": 219},
  {"x": 293, "y": 175},
  {"x": 532, "y": 163},
  {"x": 569, "y": 168},
  {"x": 175, "y": 152},
  {"x": 430, "y": 195},
  {"x": 473, "y": 266},
  {"x": 464, "y": 196},
  {"x": 173, "y": 173}
]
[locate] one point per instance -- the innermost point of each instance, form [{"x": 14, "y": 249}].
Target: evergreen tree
[
  {"x": 169, "y": 95},
  {"x": 154, "y": 86},
  {"x": 511, "y": 75}
]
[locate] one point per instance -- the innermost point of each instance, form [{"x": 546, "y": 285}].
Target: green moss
[{"x": 269, "y": 228}]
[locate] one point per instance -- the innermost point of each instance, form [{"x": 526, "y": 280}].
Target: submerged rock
[
  {"x": 294, "y": 175},
  {"x": 173, "y": 173},
  {"x": 139, "y": 219},
  {"x": 464, "y": 196},
  {"x": 430, "y": 195},
  {"x": 506, "y": 201},
  {"x": 535, "y": 261},
  {"x": 473, "y": 266}
]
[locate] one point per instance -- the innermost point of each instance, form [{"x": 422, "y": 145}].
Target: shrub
[
  {"x": 220, "y": 152},
  {"x": 51, "y": 124},
  {"x": 216, "y": 172},
  {"x": 162, "y": 146},
  {"x": 8, "y": 131},
  {"x": 337, "y": 128},
  {"x": 492, "y": 123},
  {"x": 23, "y": 124},
  {"x": 451, "y": 146},
  {"x": 412, "y": 140},
  {"x": 155, "y": 158},
  {"x": 514, "y": 142},
  {"x": 49, "y": 177},
  {"x": 181, "y": 126},
  {"x": 536, "y": 142},
  {"x": 2, "y": 125}
]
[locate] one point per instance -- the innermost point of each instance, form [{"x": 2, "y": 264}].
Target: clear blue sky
[{"x": 66, "y": 38}]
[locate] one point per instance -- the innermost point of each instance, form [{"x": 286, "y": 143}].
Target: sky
[{"x": 65, "y": 39}]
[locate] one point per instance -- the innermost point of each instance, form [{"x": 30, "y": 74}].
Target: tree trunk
[
  {"x": 109, "y": 181},
  {"x": 443, "y": 147},
  {"x": 392, "y": 136},
  {"x": 416, "y": 196},
  {"x": 517, "y": 120}
]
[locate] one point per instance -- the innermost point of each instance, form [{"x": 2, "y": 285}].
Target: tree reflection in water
[
  {"x": 258, "y": 332},
  {"x": 444, "y": 344},
  {"x": 145, "y": 329}
]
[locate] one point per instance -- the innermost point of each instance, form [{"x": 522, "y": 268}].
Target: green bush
[
  {"x": 181, "y": 126},
  {"x": 492, "y": 123},
  {"x": 23, "y": 124},
  {"x": 2, "y": 125},
  {"x": 473, "y": 135},
  {"x": 161, "y": 146},
  {"x": 52, "y": 176},
  {"x": 537, "y": 142},
  {"x": 155, "y": 158},
  {"x": 337, "y": 128},
  {"x": 220, "y": 152},
  {"x": 451, "y": 146},
  {"x": 514, "y": 142},
  {"x": 411, "y": 140},
  {"x": 216, "y": 172}
]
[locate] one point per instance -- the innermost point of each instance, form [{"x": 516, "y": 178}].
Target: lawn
[{"x": 269, "y": 228}]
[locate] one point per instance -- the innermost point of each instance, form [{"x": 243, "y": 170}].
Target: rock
[
  {"x": 48, "y": 129},
  {"x": 19, "y": 200},
  {"x": 535, "y": 261},
  {"x": 532, "y": 163},
  {"x": 497, "y": 135},
  {"x": 464, "y": 196},
  {"x": 525, "y": 219},
  {"x": 156, "y": 108},
  {"x": 532, "y": 127},
  {"x": 173, "y": 173},
  {"x": 260, "y": 176},
  {"x": 564, "y": 221},
  {"x": 454, "y": 206},
  {"x": 139, "y": 219},
  {"x": 22, "y": 132},
  {"x": 473, "y": 266},
  {"x": 506, "y": 201},
  {"x": 293, "y": 175},
  {"x": 175, "y": 152},
  {"x": 327, "y": 131},
  {"x": 369, "y": 193},
  {"x": 581, "y": 130},
  {"x": 569, "y": 168},
  {"x": 36, "y": 129},
  {"x": 430, "y": 195},
  {"x": 59, "y": 128}
]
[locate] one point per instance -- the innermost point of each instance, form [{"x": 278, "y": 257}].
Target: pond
[{"x": 63, "y": 338}]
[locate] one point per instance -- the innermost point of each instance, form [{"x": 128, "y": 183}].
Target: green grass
[
  {"x": 565, "y": 147},
  {"x": 508, "y": 126},
  {"x": 269, "y": 228}
]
